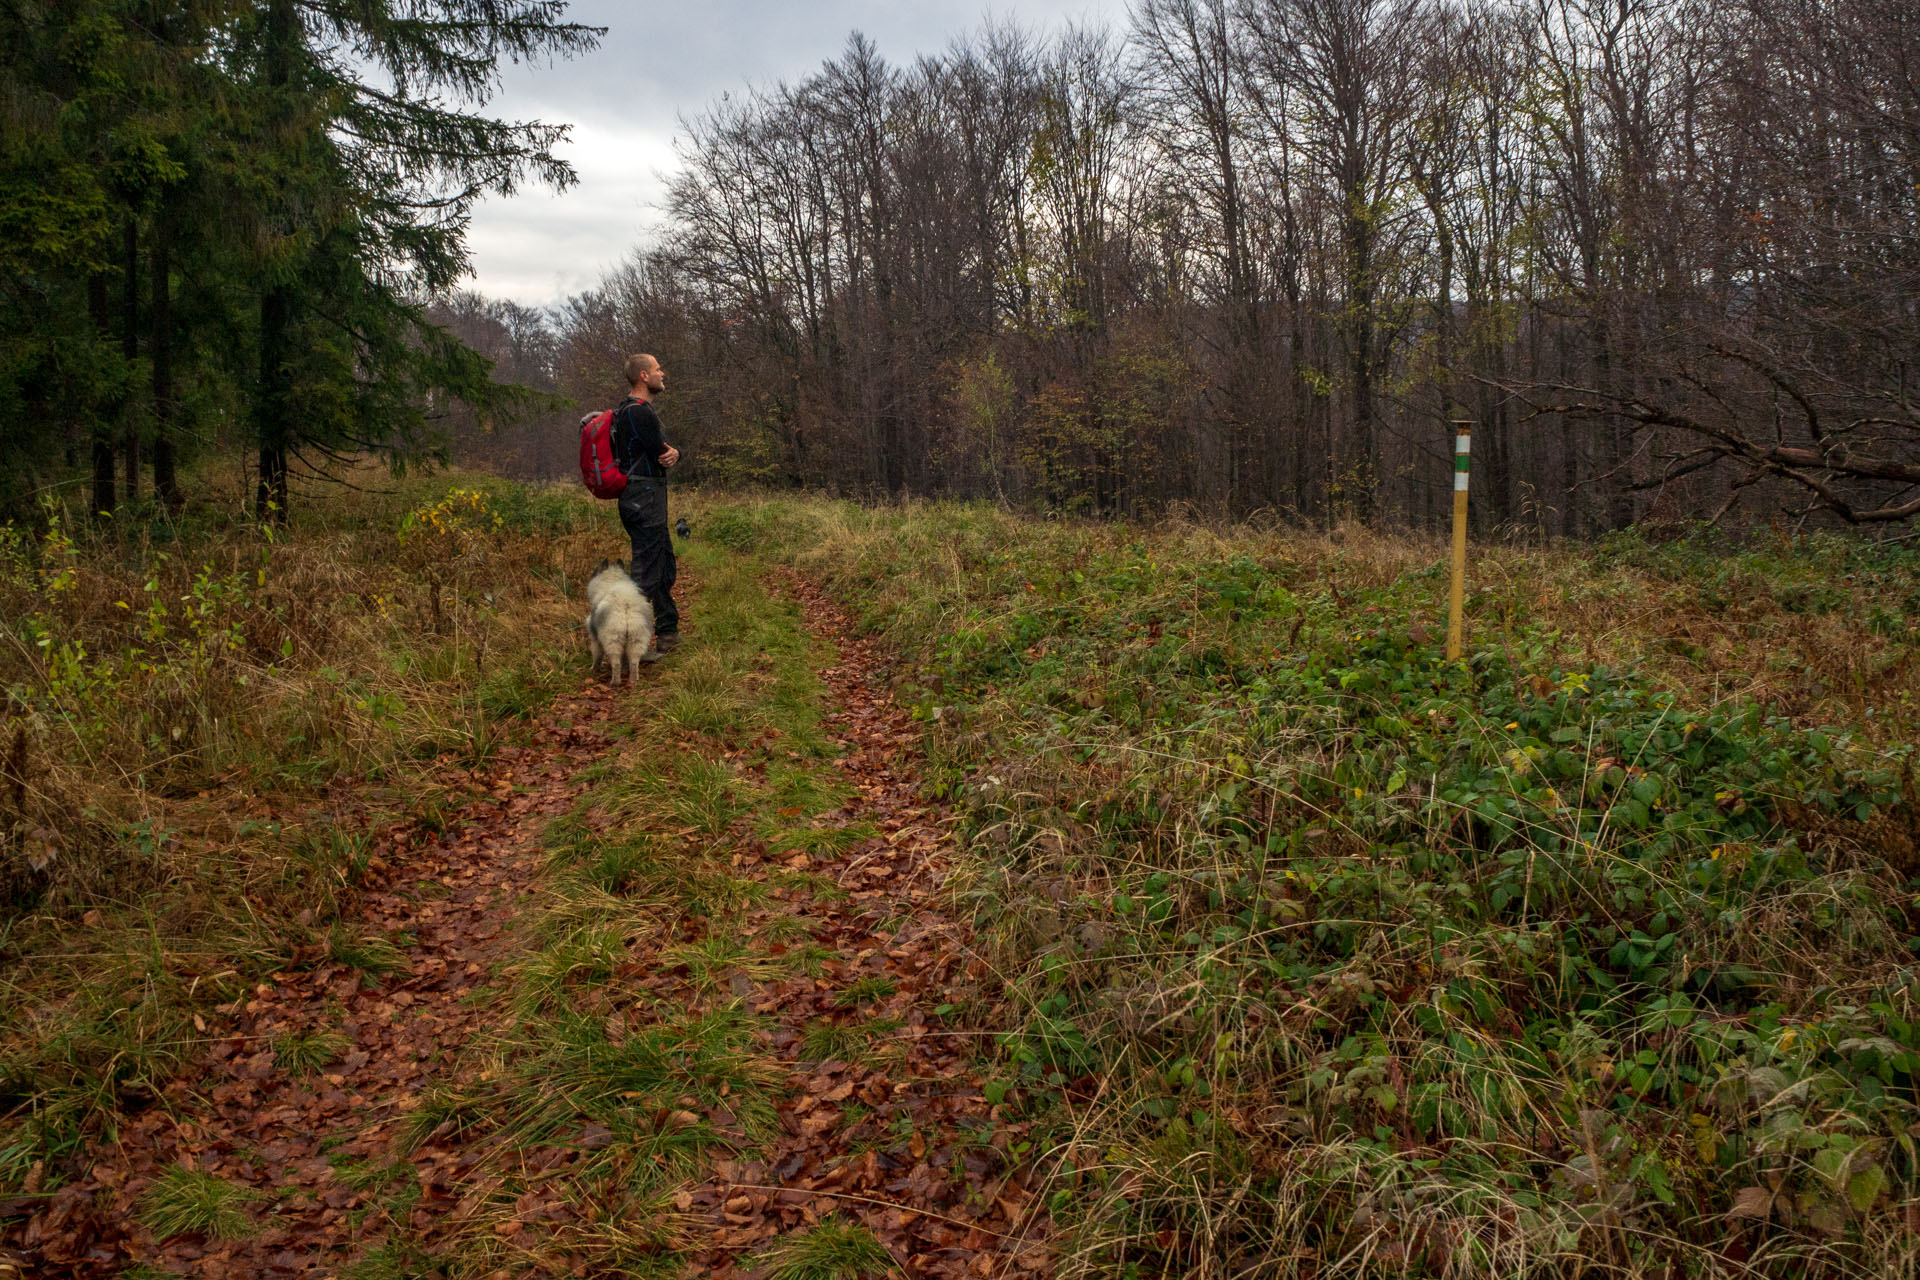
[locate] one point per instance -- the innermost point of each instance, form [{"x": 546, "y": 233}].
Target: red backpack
[{"x": 603, "y": 479}]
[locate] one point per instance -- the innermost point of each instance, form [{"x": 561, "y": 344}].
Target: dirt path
[
  {"x": 905, "y": 1142},
  {"x": 881, "y": 1119},
  {"x": 247, "y": 1119}
]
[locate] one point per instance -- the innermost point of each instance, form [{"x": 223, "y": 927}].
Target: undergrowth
[
  {"x": 205, "y": 717},
  {"x": 1305, "y": 951},
  {"x": 1593, "y": 953}
]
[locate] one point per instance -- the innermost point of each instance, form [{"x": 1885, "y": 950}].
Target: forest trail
[
  {"x": 906, "y": 1143},
  {"x": 250, "y": 1117},
  {"x": 333, "y": 1127}
]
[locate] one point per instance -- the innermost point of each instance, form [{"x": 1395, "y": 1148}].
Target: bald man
[{"x": 643, "y": 455}]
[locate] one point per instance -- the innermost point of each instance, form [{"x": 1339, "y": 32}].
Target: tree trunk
[
  {"x": 130, "y": 348},
  {"x": 1443, "y": 360},
  {"x": 166, "y": 483},
  {"x": 1499, "y": 484},
  {"x": 273, "y": 401},
  {"x": 1570, "y": 524},
  {"x": 273, "y": 405},
  {"x": 100, "y": 431},
  {"x": 1364, "y": 467}
]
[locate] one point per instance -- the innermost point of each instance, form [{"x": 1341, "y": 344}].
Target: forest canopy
[{"x": 223, "y": 221}]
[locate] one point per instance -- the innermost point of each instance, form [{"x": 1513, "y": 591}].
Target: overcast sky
[{"x": 656, "y": 63}]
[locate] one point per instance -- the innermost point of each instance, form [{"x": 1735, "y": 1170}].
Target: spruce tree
[
  {"x": 377, "y": 150},
  {"x": 221, "y": 211},
  {"x": 82, "y": 152}
]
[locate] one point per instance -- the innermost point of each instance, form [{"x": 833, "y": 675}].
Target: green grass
[
  {"x": 1301, "y": 940},
  {"x": 810, "y": 882},
  {"x": 1539, "y": 957},
  {"x": 846, "y": 1041},
  {"x": 329, "y": 862},
  {"x": 648, "y": 883},
  {"x": 623, "y": 866},
  {"x": 70, "y": 1065},
  {"x": 867, "y": 990},
  {"x": 707, "y": 798},
  {"x": 717, "y": 893},
  {"x": 303, "y": 663},
  {"x": 834, "y": 1042},
  {"x": 298, "y": 1052},
  {"x": 786, "y": 929},
  {"x": 585, "y": 953},
  {"x": 183, "y": 1201},
  {"x": 835, "y": 1249},
  {"x": 446, "y": 1109},
  {"x": 810, "y": 958},
  {"x": 713, "y": 959},
  {"x": 818, "y": 841},
  {"x": 370, "y": 954},
  {"x": 570, "y": 1069}
]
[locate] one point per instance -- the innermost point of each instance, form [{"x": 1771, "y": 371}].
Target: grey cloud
[{"x": 656, "y": 64}]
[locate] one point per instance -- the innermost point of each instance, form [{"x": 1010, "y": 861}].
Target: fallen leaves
[
  {"x": 244, "y": 1117},
  {"x": 902, "y": 1139},
  {"x": 893, "y": 1129}
]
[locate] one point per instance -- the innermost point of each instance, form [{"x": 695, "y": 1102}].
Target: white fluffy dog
[{"x": 619, "y": 622}]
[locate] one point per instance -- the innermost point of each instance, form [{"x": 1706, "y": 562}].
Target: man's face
[{"x": 655, "y": 378}]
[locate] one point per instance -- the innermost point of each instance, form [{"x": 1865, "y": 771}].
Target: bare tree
[
  {"x": 1351, "y": 68},
  {"x": 1662, "y": 251}
]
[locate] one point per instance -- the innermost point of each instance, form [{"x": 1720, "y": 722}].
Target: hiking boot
[{"x": 668, "y": 642}]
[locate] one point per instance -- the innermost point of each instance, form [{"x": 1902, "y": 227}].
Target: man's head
[{"x": 645, "y": 376}]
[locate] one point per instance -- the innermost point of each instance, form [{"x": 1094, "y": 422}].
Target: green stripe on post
[{"x": 1457, "y": 597}]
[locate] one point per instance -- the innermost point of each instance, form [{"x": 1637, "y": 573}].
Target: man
[{"x": 643, "y": 456}]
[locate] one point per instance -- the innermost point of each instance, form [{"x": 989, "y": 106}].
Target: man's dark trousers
[{"x": 643, "y": 510}]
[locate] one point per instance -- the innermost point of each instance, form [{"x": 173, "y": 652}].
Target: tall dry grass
[{"x": 206, "y": 717}]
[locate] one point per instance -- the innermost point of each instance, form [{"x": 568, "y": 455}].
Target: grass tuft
[
  {"x": 370, "y": 954},
  {"x": 867, "y": 990},
  {"x": 298, "y": 1052},
  {"x": 183, "y": 1201},
  {"x": 834, "y": 1249}
]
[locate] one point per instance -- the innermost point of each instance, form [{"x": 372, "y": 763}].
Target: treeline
[
  {"x": 222, "y": 223},
  {"x": 1253, "y": 254},
  {"x": 1246, "y": 254}
]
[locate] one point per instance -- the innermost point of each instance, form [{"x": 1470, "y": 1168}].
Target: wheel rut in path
[
  {"x": 905, "y": 1142},
  {"x": 242, "y": 1116},
  {"x": 898, "y": 1135}
]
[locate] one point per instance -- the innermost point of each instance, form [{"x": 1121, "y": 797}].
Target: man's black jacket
[{"x": 637, "y": 439}]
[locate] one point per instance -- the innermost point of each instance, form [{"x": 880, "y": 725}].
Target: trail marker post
[{"x": 1456, "y": 605}]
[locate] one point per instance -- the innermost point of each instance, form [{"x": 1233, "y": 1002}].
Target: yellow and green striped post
[{"x": 1456, "y": 605}]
